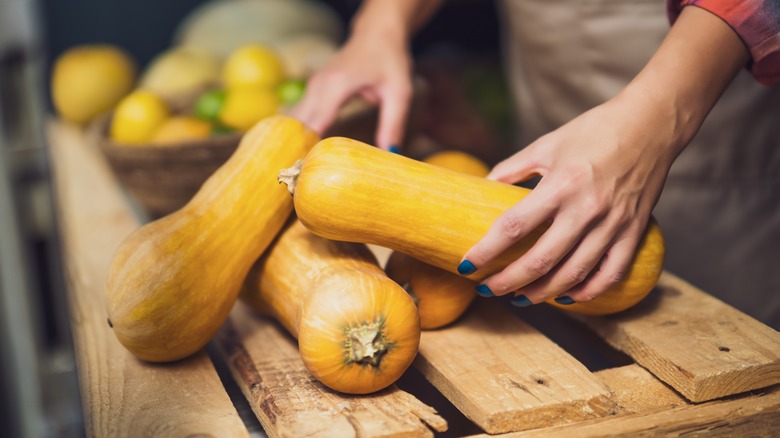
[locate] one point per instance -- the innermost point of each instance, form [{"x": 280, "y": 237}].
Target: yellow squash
[
  {"x": 347, "y": 190},
  {"x": 441, "y": 296},
  {"x": 173, "y": 281},
  {"x": 357, "y": 330}
]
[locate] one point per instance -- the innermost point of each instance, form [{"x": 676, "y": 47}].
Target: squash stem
[
  {"x": 289, "y": 176},
  {"x": 366, "y": 345}
]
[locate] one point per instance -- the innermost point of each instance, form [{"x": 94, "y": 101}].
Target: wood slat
[
  {"x": 506, "y": 376},
  {"x": 122, "y": 396},
  {"x": 648, "y": 408},
  {"x": 290, "y": 402},
  {"x": 694, "y": 342}
]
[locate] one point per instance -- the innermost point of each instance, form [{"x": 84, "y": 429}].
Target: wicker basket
[{"x": 164, "y": 178}]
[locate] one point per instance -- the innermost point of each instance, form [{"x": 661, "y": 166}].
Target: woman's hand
[
  {"x": 602, "y": 173},
  {"x": 374, "y": 65}
]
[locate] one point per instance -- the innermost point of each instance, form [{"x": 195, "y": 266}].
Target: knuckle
[
  {"x": 540, "y": 264},
  {"x": 511, "y": 226},
  {"x": 577, "y": 274}
]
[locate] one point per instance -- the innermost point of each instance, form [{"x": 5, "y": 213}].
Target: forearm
[
  {"x": 393, "y": 19},
  {"x": 688, "y": 73}
]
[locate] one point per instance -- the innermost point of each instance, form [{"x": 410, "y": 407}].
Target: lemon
[
  {"x": 253, "y": 66},
  {"x": 89, "y": 80},
  {"x": 180, "y": 129},
  {"x": 137, "y": 117},
  {"x": 246, "y": 106},
  {"x": 181, "y": 71},
  {"x": 459, "y": 161}
]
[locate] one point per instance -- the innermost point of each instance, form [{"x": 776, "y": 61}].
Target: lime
[
  {"x": 209, "y": 104},
  {"x": 290, "y": 91}
]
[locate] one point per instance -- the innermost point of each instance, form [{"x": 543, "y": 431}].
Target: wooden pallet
[{"x": 699, "y": 366}]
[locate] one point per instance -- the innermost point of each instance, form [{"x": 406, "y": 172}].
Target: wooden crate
[{"x": 692, "y": 364}]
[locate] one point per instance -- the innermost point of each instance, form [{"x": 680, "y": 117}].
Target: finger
[
  {"x": 323, "y": 99},
  {"x": 612, "y": 270},
  {"x": 573, "y": 270},
  {"x": 518, "y": 167},
  {"x": 514, "y": 224},
  {"x": 392, "y": 115},
  {"x": 540, "y": 260}
]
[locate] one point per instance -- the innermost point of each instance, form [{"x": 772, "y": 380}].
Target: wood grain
[
  {"x": 699, "y": 345},
  {"x": 289, "y": 402},
  {"x": 506, "y": 376},
  {"x": 122, "y": 396},
  {"x": 648, "y": 408}
]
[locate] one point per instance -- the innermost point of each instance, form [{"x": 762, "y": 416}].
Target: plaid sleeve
[{"x": 757, "y": 22}]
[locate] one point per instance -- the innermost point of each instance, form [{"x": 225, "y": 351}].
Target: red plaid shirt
[{"x": 757, "y": 22}]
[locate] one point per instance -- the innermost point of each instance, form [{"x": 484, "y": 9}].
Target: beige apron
[{"x": 720, "y": 208}]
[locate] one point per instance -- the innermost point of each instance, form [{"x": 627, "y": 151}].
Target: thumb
[{"x": 518, "y": 167}]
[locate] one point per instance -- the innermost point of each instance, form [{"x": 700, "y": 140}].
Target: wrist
[{"x": 382, "y": 22}]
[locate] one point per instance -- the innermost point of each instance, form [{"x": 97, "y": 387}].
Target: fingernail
[
  {"x": 394, "y": 149},
  {"x": 520, "y": 301},
  {"x": 484, "y": 291},
  {"x": 564, "y": 300},
  {"x": 466, "y": 268}
]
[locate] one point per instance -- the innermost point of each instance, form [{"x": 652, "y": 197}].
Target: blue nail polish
[
  {"x": 466, "y": 268},
  {"x": 484, "y": 291},
  {"x": 520, "y": 301},
  {"x": 394, "y": 149},
  {"x": 564, "y": 300}
]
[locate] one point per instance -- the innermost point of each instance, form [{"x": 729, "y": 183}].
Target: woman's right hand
[{"x": 375, "y": 65}]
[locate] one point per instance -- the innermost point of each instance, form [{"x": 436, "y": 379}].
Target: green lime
[
  {"x": 290, "y": 91},
  {"x": 209, "y": 104}
]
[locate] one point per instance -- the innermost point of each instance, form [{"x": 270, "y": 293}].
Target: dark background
[{"x": 146, "y": 27}]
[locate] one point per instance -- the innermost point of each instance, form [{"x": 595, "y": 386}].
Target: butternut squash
[
  {"x": 441, "y": 296},
  {"x": 357, "y": 330},
  {"x": 347, "y": 190},
  {"x": 173, "y": 281}
]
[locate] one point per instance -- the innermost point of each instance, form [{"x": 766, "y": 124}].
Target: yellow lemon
[
  {"x": 253, "y": 65},
  {"x": 459, "y": 161},
  {"x": 89, "y": 80},
  {"x": 137, "y": 117},
  {"x": 246, "y": 106},
  {"x": 180, "y": 129}
]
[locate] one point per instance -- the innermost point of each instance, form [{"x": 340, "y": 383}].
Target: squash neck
[
  {"x": 366, "y": 345},
  {"x": 289, "y": 176}
]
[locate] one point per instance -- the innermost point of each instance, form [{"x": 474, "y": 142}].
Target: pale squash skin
[
  {"x": 173, "y": 281},
  {"x": 322, "y": 291},
  {"x": 347, "y": 190}
]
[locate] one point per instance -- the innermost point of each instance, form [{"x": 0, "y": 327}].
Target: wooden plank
[
  {"x": 506, "y": 376},
  {"x": 635, "y": 390},
  {"x": 122, "y": 396},
  {"x": 648, "y": 408},
  {"x": 290, "y": 402},
  {"x": 694, "y": 342}
]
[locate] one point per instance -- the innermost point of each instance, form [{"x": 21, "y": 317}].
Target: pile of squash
[{"x": 173, "y": 281}]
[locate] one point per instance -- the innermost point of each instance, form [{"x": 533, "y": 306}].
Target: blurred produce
[
  {"x": 221, "y": 26},
  {"x": 137, "y": 117},
  {"x": 181, "y": 129},
  {"x": 290, "y": 91},
  {"x": 304, "y": 54},
  {"x": 89, "y": 80},
  {"x": 181, "y": 71},
  {"x": 459, "y": 162},
  {"x": 253, "y": 66},
  {"x": 209, "y": 104},
  {"x": 246, "y": 106}
]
